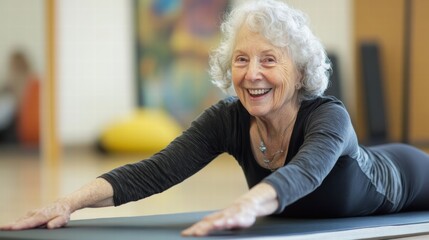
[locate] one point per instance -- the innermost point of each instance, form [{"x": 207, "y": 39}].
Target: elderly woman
[{"x": 297, "y": 148}]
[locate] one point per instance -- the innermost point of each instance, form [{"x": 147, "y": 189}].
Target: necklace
[{"x": 263, "y": 147}]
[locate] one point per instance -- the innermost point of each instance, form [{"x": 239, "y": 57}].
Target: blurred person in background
[{"x": 19, "y": 103}]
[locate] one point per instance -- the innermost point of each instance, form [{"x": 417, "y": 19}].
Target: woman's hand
[
  {"x": 259, "y": 201},
  {"x": 98, "y": 193},
  {"x": 237, "y": 216},
  {"x": 52, "y": 216}
]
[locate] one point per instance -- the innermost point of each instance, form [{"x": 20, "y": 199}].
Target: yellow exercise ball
[{"x": 145, "y": 131}]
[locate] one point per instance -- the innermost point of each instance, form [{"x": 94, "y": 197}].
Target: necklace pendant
[{"x": 262, "y": 147}]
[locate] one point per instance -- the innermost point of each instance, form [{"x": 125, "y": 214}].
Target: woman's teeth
[{"x": 259, "y": 92}]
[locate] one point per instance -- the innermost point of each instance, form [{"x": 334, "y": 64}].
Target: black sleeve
[
  {"x": 183, "y": 157},
  {"x": 328, "y": 135}
]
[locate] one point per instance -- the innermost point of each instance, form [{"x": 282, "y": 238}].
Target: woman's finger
[
  {"x": 53, "y": 216},
  {"x": 223, "y": 220},
  {"x": 28, "y": 222},
  {"x": 200, "y": 228},
  {"x": 58, "y": 222}
]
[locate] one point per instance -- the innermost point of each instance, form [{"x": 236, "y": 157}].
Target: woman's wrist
[
  {"x": 65, "y": 204},
  {"x": 97, "y": 193},
  {"x": 70, "y": 203},
  {"x": 261, "y": 199}
]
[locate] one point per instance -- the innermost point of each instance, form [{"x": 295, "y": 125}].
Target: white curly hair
[{"x": 284, "y": 27}]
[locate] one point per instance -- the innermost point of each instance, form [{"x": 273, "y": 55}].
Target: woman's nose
[{"x": 253, "y": 71}]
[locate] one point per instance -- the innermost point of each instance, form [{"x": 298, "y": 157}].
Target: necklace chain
[{"x": 263, "y": 148}]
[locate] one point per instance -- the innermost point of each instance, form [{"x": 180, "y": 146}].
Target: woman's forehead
[
  {"x": 248, "y": 38},
  {"x": 251, "y": 42}
]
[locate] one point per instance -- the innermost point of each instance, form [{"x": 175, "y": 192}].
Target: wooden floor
[{"x": 25, "y": 184}]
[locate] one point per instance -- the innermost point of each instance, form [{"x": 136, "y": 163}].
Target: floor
[{"x": 26, "y": 183}]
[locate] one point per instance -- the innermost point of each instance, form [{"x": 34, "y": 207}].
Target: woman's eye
[
  {"x": 269, "y": 60},
  {"x": 241, "y": 59}
]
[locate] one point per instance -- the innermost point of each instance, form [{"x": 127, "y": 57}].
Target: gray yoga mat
[{"x": 169, "y": 226}]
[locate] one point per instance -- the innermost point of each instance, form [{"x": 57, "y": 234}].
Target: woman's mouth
[{"x": 257, "y": 92}]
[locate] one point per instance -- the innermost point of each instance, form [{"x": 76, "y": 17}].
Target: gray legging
[
  {"x": 346, "y": 191},
  {"x": 414, "y": 167}
]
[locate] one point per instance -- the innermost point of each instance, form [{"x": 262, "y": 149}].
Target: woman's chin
[{"x": 257, "y": 111}]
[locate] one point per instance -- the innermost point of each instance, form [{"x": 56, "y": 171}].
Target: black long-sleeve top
[{"x": 322, "y": 134}]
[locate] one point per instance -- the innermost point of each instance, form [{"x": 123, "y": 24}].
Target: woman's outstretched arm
[
  {"x": 98, "y": 193},
  {"x": 261, "y": 200}
]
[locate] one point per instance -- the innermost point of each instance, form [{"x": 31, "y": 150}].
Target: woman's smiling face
[{"x": 265, "y": 78}]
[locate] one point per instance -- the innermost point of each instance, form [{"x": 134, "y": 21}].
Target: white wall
[
  {"x": 95, "y": 66},
  {"x": 22, "y": 25}
]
